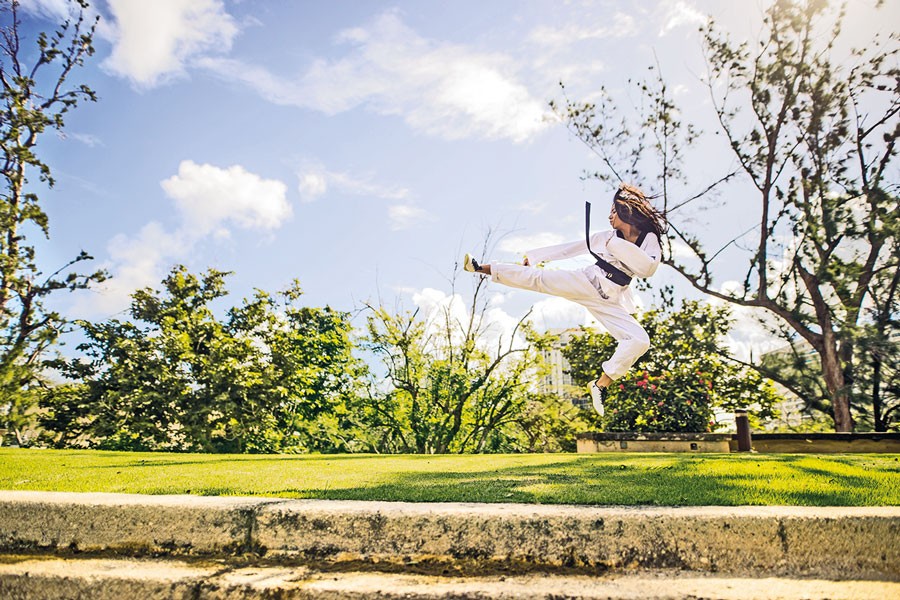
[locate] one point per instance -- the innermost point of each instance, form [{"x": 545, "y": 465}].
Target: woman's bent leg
[{"x": 632, "y": 340}]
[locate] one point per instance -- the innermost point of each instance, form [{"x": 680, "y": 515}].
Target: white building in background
[{"x": 558, "y": 381}]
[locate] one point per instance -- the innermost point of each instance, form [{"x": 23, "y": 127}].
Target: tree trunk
[
  {"x": 834, "y": 381},
  {"x": 880, "y": 425}
]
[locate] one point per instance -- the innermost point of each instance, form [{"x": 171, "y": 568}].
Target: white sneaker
[
  {"x": 470, "y": 264},
  {"x": 598, "y": 397}
]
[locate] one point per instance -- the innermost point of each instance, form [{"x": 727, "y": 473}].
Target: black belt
[{"x": 614, "y": 274}]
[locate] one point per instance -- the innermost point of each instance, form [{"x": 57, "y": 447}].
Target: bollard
[{"x": 743, "y": 430}]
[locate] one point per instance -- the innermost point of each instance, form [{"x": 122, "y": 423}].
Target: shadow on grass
[
  {"x": 611, "y": 482},
  {"x": 602, "y": 479}
]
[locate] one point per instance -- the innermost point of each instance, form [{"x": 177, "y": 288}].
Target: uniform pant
[{"x": 632, "y": 340}]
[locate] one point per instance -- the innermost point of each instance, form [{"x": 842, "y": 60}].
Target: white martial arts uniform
[{"x": 611, "y": 304}]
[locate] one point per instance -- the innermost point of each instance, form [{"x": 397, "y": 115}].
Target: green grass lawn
[{"x": 629, "y": 479}]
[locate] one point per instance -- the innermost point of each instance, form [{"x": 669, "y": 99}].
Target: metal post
[{"x": 743, "y": 430}]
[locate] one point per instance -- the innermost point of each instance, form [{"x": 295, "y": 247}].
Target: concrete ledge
[
  {"x": 833, "y": 542},
  {"x": 593, "y": 441},
  {"x": 828, "y": 542},
  {"x": 819, "y": 443},
  {"x": 105, "y": 579},
  {"x": 126, "y": 523},
  {"x": 825, "y": 443}
]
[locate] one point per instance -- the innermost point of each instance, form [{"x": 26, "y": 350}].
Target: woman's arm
[
  {"x": 568, "y": 249},
  {"x": 642, "y": 261}
]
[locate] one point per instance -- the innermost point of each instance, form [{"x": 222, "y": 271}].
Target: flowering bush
[{"x": 669, "y": 401}]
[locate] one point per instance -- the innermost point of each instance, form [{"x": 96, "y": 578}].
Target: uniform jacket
[{"x": 637, "y": 261}]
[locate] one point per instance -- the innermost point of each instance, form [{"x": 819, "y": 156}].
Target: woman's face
[{"x": 614, "y": 219}]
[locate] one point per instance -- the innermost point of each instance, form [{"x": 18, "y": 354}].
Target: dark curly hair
[{"x": 632, "y": 206}]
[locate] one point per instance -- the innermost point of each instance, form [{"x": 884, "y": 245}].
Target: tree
[
  {"x": 814, "y": 141},
  {"x": 35, "y": 99},
  {"x": 546, "y": 423},
  {"x": 179, "y": 378},
  {"x": 681, "y": 380},
  {"x": 447, "y": 387},
  {"x": 879, "y": 343}
]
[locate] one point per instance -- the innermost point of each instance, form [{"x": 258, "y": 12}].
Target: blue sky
[{"x": 360, "y": 147}]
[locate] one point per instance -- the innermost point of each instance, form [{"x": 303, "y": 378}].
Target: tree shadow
[
  {"x": 627, "y": 481},
  {"x": 661, "y": 479}
]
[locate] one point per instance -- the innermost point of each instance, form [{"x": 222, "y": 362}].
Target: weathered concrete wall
[
  {"x": 822, "y": 542},
  {"x": 127, "y": 523},
  {"x": 819, "y": 443},
  {"x": 590, "y": 446},
  {"x": 838, "y": 543},
  {"x": 799, "y": 443}
]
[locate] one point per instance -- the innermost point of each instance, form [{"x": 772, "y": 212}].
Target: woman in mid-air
[{"x": 632, "y": 249}]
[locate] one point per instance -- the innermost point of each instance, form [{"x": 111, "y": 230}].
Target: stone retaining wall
[
  {"x": 829, "y": 542},
  {"x": 815, "y": 443}
]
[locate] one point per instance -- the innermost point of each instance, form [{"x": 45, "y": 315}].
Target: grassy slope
[{"x": 629, "y": 479}]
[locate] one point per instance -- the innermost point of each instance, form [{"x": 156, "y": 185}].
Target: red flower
[
  {"x": 660, "y": 403},
  {"x": 621, "y": 387}
]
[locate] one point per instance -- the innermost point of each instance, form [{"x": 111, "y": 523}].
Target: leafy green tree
[
  {"x": 677, "y": 385},
  {"x": 267, "y": 378},
  {"x": 446, "y": 389},
  {"x": 34, "y": 99},
  {"x": 546, "y": 423},
  {"x": 813, "y": 132}
]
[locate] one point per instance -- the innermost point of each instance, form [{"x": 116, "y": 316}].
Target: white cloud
[
  {"x": 315, "y": 180},
  {"x": 135, "y": 262},
  {"x": 522, "y": 243},
  {"x": 209, "y": 197},
  {"x": 366, "y": 187},
  {"x": 559, "y": 313},
  {"x": 312, "y": 185},
  {"x": 534, "y": 208},
  {"x": 497, "y": 325},
  {"x": 58, "y": 10},
  {"x": 154, "y": 42},
  {"x": 574, "y": 72},
  {"x": 682, "y": 250},
  {"x": 404, "y": 216},
  {"x": 444, "y": 90},
  {"x": 749, "y": 336},
  {"x": 622, "y": 26},
  {"x": 438, "y": 308},
  {"x": 678, "y": 14},
  {"x": 91, "y": 141}
]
